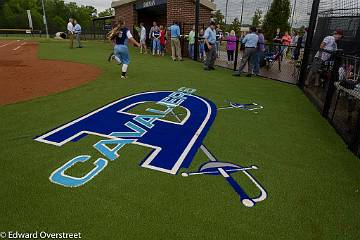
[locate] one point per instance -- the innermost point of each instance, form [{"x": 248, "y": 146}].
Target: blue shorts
[{"x": 122, "y": 52}]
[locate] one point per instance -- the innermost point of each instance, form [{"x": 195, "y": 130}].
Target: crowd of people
[{"x": 252, "y": 44}]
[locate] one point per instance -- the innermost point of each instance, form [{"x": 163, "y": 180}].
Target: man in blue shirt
[
  {"x": 251, "y": 42},
  {"x": 210, "y": 47},
  {"x": 77, "y": 31},
  {"x": 175, "y": 42}
]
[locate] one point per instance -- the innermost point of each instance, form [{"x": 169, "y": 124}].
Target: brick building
[{"x": 164, "y": 12}]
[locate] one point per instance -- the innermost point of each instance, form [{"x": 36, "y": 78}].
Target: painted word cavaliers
[{"x": 119, "y": 126}]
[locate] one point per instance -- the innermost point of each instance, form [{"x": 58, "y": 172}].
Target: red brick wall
[
  {"x": 183, "y": 11},
  {"x": 128, "y": 13}
]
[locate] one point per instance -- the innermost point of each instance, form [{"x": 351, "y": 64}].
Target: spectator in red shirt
[
  {"x": 162, "y": 40},
  {"x": 285, "y": 41}
]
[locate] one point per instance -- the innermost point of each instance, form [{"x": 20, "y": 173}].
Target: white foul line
[
  {"x": 19, "y": 46},
  {"x": 6, "y": 44}
]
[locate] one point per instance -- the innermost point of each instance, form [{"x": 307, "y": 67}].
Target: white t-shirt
[
  {"x": 143, "y": 33},
  {"x": 330, "y": 45},
  {"x": 128, "y": 34},
  {"x": 70, "y": 27}
]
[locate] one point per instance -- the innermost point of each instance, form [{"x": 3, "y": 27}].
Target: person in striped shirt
[{"x": 156, "y": 41}]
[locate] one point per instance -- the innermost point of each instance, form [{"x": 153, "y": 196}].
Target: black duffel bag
[{"x": 348, "y": 84}]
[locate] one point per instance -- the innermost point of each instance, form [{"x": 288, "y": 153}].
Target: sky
[
  {"x": 300, "y": 16},
  {"x": 301, "y": 13},
  {"x": 100, "y": 5},
  {"x": 302, "y": 9}
]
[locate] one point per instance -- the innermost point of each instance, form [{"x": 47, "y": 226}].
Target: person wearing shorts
[
  {"x": 143, "y": 48},
  {"x": 122, "y": 35}
]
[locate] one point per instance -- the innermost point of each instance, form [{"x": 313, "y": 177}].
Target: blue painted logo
[
  {"x": 173, "y": 144},
  {"x": 118, "y": 127}
]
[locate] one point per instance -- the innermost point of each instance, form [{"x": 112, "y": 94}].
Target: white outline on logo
[{"x": 150, "y": 158}]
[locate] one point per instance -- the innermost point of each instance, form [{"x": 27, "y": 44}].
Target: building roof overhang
[{"x": 207, "y": 3}]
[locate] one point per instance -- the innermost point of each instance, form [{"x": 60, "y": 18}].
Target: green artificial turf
[{"x": 311, "y": 178}]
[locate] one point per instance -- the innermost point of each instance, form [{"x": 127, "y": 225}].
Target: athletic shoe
[
  {"x": 207, "y": 69},
  {"x": 111, "y": 57},
  {"x": 212, "y": 68},
  {"x": 123, "y": 77}
]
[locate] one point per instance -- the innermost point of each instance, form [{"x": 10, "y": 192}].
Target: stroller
[{"x": 274, "y": 55}]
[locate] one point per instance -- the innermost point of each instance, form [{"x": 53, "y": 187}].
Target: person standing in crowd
[
  {"x": 260, "y": 52},
  {"x": 77, "y": 31},
  {"x": 162, "y": 40},
  {"x": 219, "y": 37},
  {"x": 298, "y": 47},
  {"x": 210, "y": 47},
  {"x": 251, "y": 42},
  {"x": 175, "y": 42},
  {"x": 278, "y": 36},
  {"x": 303, "y": 42},
  {"x": 242, "y": 45},
  {"x": 191, "y": 42},
  {"x": 285, "y": 41},
  {"x": 70, "y": 29},
  {"x": 201, "y": 45},
  {"x": 143, "y": 48},
  {"x": 294, "y": 43},
  {"x": 327, "y": 47},
  {"x": 152, "y": 29},
  {"x": 156, "y": 41},
  {"x": 121, "y": 35},
  {"x": 231, "y": 46}
]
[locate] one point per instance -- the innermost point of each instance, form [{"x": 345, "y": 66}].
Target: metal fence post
[
  {"x": 331, "y": 87},
  {"x": 196, "y": 46},
  {"x": 309, "y": 39},
  {"x": 236, "y": 54},
  {"x": 355, "y": 142}
]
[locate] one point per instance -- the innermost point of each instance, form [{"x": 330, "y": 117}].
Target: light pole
[
  {"x": 44, "y": 16},
  {"x": 226, "y": 10},
  {"x": 242, "y": 12},
  {"x": 197, "y": 19},
  {"x": 292, "y": 17}
]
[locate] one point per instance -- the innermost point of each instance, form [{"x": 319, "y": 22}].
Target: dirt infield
[{"x": 23, "y": 76}]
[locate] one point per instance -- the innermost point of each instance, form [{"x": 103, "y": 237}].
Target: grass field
[{"x": 312, "y": 179}]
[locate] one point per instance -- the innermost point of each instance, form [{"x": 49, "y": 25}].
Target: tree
[
  {"x": 235, "y": 25},
  {"x": 277, "y": 17},
  {"x": 219, "y": 19},
  {"x": 256, "y": 19},
  {"x": 13, "y": 14},
  {"x": 107, "y": 12}
]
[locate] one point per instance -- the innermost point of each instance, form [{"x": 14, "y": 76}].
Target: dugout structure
[
  {"x": 164, "y": 12},
  {"x": 102, "y": 26}
]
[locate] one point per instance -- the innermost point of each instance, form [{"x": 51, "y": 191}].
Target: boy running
[{"x": 122, "y": 35}]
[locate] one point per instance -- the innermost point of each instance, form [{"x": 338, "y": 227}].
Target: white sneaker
[{"x": 123, "y": 77}]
